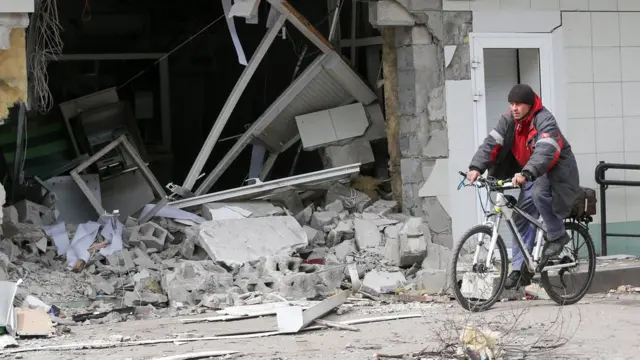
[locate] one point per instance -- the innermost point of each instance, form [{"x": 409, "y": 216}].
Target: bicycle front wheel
[{"x": 477, "y": 287}]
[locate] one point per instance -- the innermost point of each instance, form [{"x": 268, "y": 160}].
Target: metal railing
[{"x": 601, "y": 168}]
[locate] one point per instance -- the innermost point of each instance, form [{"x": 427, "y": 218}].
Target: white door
[{"x": 500, "y": 61}]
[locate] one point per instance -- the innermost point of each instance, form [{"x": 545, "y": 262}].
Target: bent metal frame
[{"x": 130, "y": 150}]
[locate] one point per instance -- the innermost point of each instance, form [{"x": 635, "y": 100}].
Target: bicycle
[{"x": 505, "y": 206}]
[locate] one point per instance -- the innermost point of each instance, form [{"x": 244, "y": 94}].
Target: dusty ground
[{"x": 602, "y": 325}]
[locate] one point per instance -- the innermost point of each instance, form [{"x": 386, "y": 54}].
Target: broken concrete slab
[
  {"x": 32, "y": 213},
  {"x": 258, "y": 208},
  {"x": 304, "y": 216},
  {"x": 384, "y": 281},
  {"x": 367, "y": 235},
  {"x": 192, "y": 279},
  {"x": 142, "y": 299},
  {"x": 245, "y": 240},
  {"x": 358, "y": 150},
  {"x": 336, "y": 206},
  {"x": 352, "y": 199},
  {"x": 382, "y": 207},
  {"x": 431, "y": 281},
  {"x": 343, "y": 231},
  {"x": 344, "y": 248},
  {"x": 102, "y": 285},
  {"x": 438, "y": 257},
  {"x": 320, "y": 219},
  {"x": 314, "y": 236}
]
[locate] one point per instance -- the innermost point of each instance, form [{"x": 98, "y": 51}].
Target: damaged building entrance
[{"x": 498, "y": 62}]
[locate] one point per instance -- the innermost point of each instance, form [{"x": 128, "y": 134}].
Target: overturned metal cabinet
[{"x": 128, "y": 149}]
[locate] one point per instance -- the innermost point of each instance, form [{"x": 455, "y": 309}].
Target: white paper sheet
[
  {"x": 60, "y": 237},
  {"x": 173, "y": 213},
  {"x": 82, "y": 240},
  {"x": 113, "y": 236},
  {"x": 226, "y": 6}
]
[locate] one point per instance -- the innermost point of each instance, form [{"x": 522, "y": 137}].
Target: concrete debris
[
  {"x": 244, "y": 253},
  {"x": 384, "y": 282},
  {"x": 237, "y": 241}
]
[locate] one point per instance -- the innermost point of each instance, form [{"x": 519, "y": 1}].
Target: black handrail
[{"x": 601, "y": 168}]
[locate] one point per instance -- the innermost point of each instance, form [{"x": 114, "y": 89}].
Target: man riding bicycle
[{"x": 527, "y": 145}]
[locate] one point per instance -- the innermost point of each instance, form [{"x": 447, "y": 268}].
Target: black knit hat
[{"x": 522, "y": 94}]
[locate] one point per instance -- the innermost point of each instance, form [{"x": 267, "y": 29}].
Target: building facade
[{"x": 457, "y": 60}]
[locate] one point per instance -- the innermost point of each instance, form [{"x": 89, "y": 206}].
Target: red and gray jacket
[{"x": 535, "y": 147}]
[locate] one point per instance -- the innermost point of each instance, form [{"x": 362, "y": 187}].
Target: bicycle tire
[
  {"x": 504, "y": 261},
  {"x": 545, "y": 281}
]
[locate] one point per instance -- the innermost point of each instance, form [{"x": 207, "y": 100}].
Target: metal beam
[
  {"x": 265, "y": 120},
  {"x": 367, "y": 41},
  {"x": 165, "y": 103},
  {"x": 257, "y": 190},
  {"x": 232, "y": 100},
  {"x": 116, "y": 56},
  {"x": 302, "y": 24}
]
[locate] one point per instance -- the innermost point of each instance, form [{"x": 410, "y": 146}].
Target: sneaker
[
  {"x": 555, "y": 247},
  {"x": 516, "y": 279}
]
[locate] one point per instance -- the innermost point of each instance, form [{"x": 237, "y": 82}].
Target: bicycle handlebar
[{"x": 493, "y": 184}]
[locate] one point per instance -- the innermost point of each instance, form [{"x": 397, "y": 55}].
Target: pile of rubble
[{"x": 229, "y": 254}]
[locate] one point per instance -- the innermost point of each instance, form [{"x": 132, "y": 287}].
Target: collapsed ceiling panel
[
  {"x": 326, "y": 83},
  {"x": 335, "y": 84}
]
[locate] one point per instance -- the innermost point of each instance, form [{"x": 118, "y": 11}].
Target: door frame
[{"x": 480, "y": 41}]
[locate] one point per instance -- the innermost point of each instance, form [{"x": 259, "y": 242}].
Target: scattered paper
[
  {"x": 226, "y": 6},
  {"x": 82, "y": 240},
  {"x": 112, "y": 232},
  {"x": 60, "y": 237}
]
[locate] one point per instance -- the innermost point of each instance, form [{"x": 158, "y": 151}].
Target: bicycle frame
[{"x": 504, "y": 209}]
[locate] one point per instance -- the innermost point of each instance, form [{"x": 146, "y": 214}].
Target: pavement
[{"x": 600, "y": 324}]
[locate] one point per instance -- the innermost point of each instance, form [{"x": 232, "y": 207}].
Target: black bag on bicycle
[{"x": 584, "y": 204}]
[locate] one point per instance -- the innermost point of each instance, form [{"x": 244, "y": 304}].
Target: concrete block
[
  {"x": 244, "y": 240},
  {"x": 144, "y": 261},
  {"x": 438, "y": 257},
  {"x": 298, "y": 286},
  {"x": 32, "y": 213},
  {"x": 431, "y": 281},
  {"x": 411, "y": 170},
  {"x": 319, "y": 219},
  {"x": 314, "y": 236},
  {"x": 356, "y": 151},
  {"x": 122, "y": 260},
  {"x": 336, "y": 206},
  {"x": 421, "y": 5},
  {"x": 344, "y": 248},
  {"x": 383, "y": 281},
  {"x": 344, "y": 230},
  {"x": 382, "y": 207},
  {"x": 389, "y": 13},
  {"x": 142, "y": 299},
  {"x": 151, "y": 234},
  {"x": 367, "y": 235},
  {"x": 195, "y": 278},
  {"x": 304, "y": 216},
  {"x": 346, "y": 195},
  {"x": 102, "y": 285}
]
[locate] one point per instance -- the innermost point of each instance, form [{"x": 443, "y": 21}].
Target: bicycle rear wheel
[
  {"x": 556, "y": 285},
  {"x": 477, "y": 288}
]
